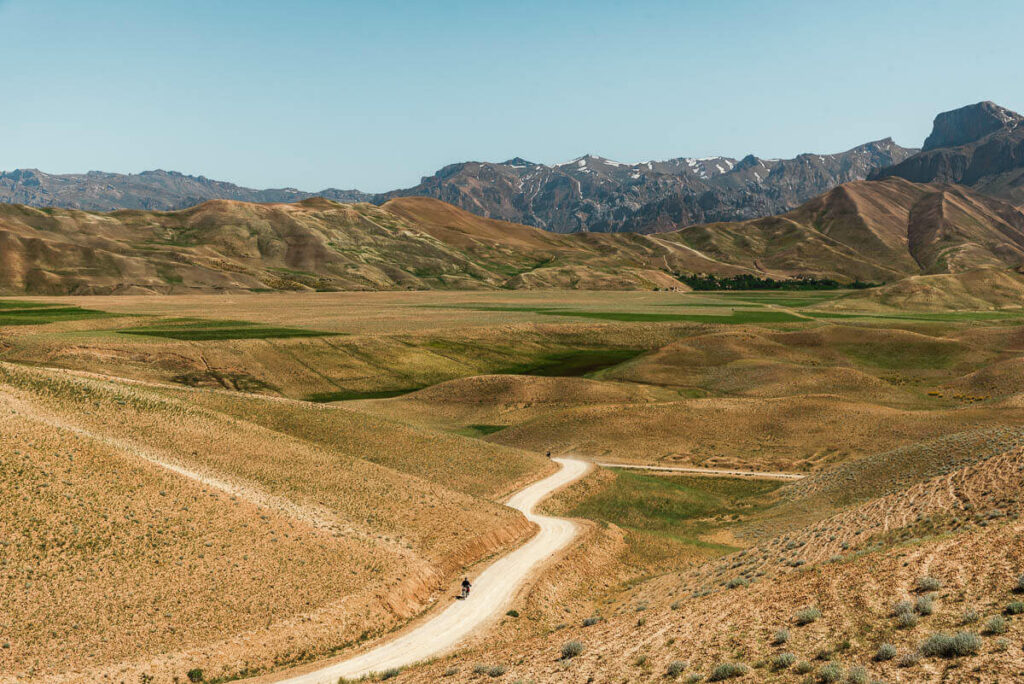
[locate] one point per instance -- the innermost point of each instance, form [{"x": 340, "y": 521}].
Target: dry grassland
[
  {"x": 170, "y": 501},
  {"x": 962, "y": 529},
  {"x": 289, "y": 551}
]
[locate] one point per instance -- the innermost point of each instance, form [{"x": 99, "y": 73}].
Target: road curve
[
  {"x": 717, "y": 472},
  {"x": 493, "y": 589}
]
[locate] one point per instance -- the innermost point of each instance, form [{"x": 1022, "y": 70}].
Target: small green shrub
[
  {"x": 995, "y": 625},
  {"x": 945, "y": 646},
  {"x": 497, "y": 671},
  {"x": 901, "y": 607},
  {"x": 924, "y": 605},
  {"x": 969, "y": 617},
  {"x": 737, "y": 582},
  {"x": 909, "y": 659},
  {"x": 641, "y": 661},
  {"x": 803, "y": 667},
  {"x": 906, "y": 620},
  {"x": 928, "y": 583},
  {"x": 1015, "y": 608},
  {"x": 1001, "y": 645},
  {"x": 885, "y": 652},
  {"x": 675, "y": 668},
  {"x": 858, "y": 675},
  {"x": 727, "y": 671},
  {"x": 780, "y": 637},
  {"x": 807, "y": 615},
  {"x": 450, "y": 672},
  {"x": 780, "y": 661},
  {"x": 194, "y": 675},
  {"x": 1018, "y": 588},
  {"x": 833, "y": 672},
  {"x": 512, "y": 613},
  {"x": 390, "y": 673},
  {"x": 591, "y": 621},
  {"x": 571, "y": 649}
]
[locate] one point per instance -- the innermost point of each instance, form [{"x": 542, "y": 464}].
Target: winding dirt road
[
  {"x": 493, "y": 589},
  {"x": 714, "y": 472}
]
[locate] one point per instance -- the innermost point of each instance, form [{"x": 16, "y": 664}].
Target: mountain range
[
  {"x": 153, "y": 190},
  {"x": 586, "y": 194},
  {"x": 880, "y": 231},
  {"x": 599, "y": 195},
  {"x": 950, "y": 208},
  {"x": 981, "y": 146}
]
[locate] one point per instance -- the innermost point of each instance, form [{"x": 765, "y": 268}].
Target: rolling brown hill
[
  {"x": 878, "y": 231},
  {"x": 873, "y": 230},
  {"x": 984, "y": 288},
  {"x": 316, "y": 244}
]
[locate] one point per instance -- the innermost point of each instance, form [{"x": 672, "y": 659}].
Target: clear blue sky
[{"x": 375, "y": 94}]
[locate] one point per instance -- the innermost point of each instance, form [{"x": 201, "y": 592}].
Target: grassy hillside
[
  {"x": 146, "y": 536},
  {"x": 971, "y": 290}
]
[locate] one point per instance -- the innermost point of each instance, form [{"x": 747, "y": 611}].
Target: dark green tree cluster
[{"x": 747, "y": 281}]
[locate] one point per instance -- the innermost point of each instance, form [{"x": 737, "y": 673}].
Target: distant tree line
[{"x": 752, "y": 282}]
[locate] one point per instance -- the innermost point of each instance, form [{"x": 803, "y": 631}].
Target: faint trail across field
[
  {"x": 493, "y": 589},
  {"x": 713, "y": 472}
]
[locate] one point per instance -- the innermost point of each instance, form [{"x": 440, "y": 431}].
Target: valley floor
[{"x": 233, "y": 486}]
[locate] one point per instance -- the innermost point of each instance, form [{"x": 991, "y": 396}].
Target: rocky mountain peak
[{"x": 969, "y": 124}]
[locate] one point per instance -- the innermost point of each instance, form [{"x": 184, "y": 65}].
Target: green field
[
  {"x": 201, "y": 330},
  {"x": 14, "y": 312},
  {"x": 736, "y": 316},
  {"x": 572, "y": 364},
  {"x": 676, "y": 508},
  {"x": 480, "y": 430},
  {"x": 350, "y": 395}
]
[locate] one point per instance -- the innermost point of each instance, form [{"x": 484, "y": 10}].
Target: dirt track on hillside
[{"x": 493, "y": 589}]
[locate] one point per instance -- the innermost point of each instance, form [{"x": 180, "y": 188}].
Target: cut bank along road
[{"x": 493, "y": 589}]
